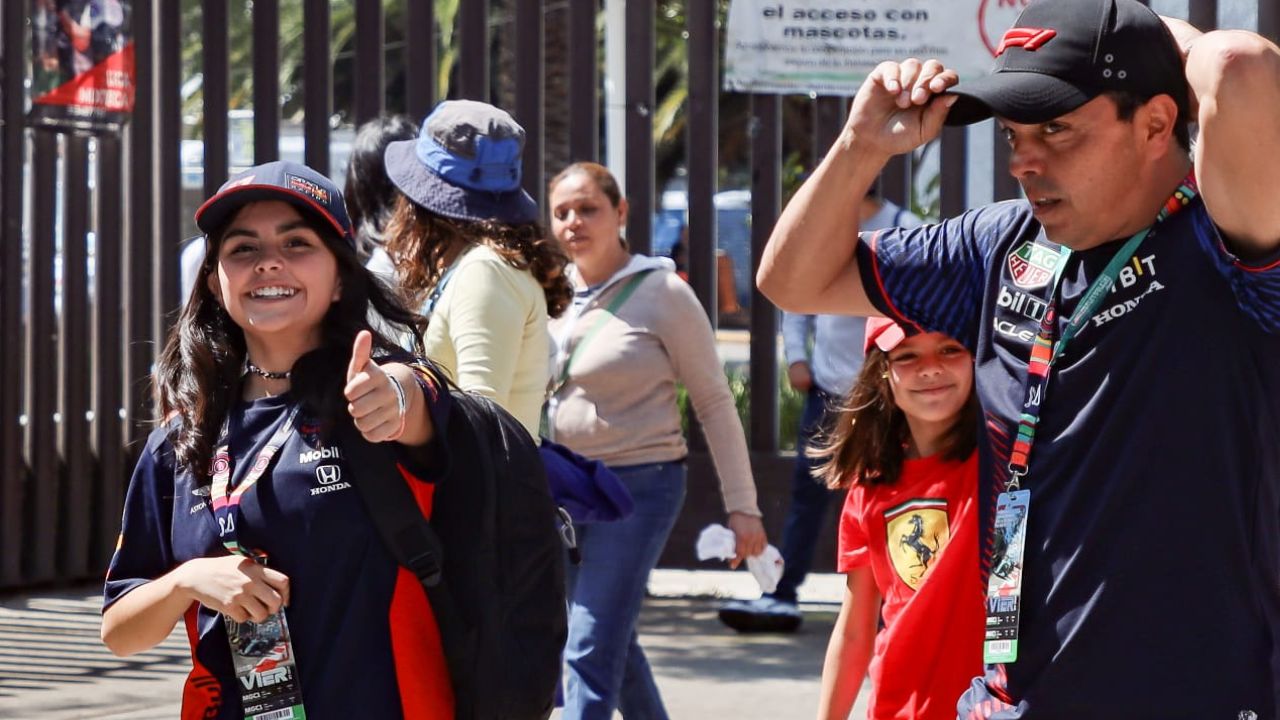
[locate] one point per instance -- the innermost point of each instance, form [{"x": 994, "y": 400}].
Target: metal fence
[{"x": 89, "y": 224}]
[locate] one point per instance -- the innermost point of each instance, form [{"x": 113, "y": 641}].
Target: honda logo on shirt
[{"x": 328, "y": 474}]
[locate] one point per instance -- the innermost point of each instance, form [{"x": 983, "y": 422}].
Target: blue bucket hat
[
  {"x": 309, "y": 191},
  {"x": 465, "y": 164}
]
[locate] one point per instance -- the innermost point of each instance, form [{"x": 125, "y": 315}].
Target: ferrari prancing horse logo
[{"x": 916, "y": 531}]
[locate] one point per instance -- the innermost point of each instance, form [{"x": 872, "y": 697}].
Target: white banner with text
[{"x": 828, "y": 47}]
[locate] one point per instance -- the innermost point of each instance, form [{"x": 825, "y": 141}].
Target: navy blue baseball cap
[
  {"x": 465, "y": 164},
  {"x": 309, "y": 191},
  {"x": 1060, "y": 54}
]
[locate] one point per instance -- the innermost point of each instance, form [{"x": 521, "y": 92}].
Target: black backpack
[{"x": 491, "y": 558}]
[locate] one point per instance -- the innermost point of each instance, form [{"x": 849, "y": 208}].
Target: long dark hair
[
  {"x": 418, "y": 239},
  {"x": 198, "y": 375},
  {"x": 867, "y": 442},
  {"x": 370, "y": 194}
]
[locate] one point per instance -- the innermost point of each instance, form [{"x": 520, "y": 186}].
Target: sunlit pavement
[{"x": 53, "y": 667}]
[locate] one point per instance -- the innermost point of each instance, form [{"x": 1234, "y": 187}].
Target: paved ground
[{"x": 52, "y": 666}]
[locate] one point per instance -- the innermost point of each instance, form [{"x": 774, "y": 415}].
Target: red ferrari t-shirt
[{"x": 920, "y": 537}]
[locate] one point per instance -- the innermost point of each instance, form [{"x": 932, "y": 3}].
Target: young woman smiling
[{"x": 241, "y": 520}]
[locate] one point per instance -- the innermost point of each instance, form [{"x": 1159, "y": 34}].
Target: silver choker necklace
[{"x": 248, "y": 364}]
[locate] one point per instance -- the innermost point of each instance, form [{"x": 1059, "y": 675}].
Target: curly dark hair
[
  {"x": 418, "y": 239},
  {"x": 198, "y": 375},
  {"x": 867, "y": 439}
]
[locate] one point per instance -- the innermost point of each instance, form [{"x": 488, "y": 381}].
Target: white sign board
[{"x": 828, "y": 47}]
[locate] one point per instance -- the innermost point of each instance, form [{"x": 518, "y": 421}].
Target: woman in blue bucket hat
[{"x": 472, "y": 256}]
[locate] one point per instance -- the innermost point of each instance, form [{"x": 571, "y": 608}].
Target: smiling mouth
[{"x": 272, "y": 292}]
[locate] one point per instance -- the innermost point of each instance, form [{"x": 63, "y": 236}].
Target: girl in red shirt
[{"x": 904, "y": 445}]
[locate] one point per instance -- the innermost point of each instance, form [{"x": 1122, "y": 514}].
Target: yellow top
[{"x": 489, "y": 332}]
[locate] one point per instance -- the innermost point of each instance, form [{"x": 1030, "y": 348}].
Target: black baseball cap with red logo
[
  {"x": 311, "y": 192},
  {"x": 1060, "y": 54}
]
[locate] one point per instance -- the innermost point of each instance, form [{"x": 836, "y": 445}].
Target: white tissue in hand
[
  {"x": 767, "y": 568},
  {"x": 716, "y": 542}
]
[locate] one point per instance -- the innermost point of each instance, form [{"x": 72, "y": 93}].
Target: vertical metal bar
[
  {"x": 530, "y": 62},
  {"x": 370, "y": 38},
  {"x": 702, "y": 141},
  {"x": 317, "y": 84},
  {"x": 168, "y": 163},
  {"x": 584, "y": 81},
  {"x": 828, "y": 119},
  {"x": 1003, "y": 185},
  {"x": 139, "y": 304},
  {"x": 215, "y": 94},
  {"x": 420, "y": 58},
  {"x": 75, "y": 344},
  {"x": 1204, "y": 13},
  {"x": 766, "y": 189},
  {"x": 266, "y": 81},
  {"x": 473, "y": 50},
  {"x": 639, "y": 132},
  {"x": 13, "y": 471},
  {"x": 955, "y": 143},
  {"x": 108, "y": 493},
  {"x": 42, "y": 518},
  {"x": 1269, "y": 19},
  {"x": 895, "y": 181}
]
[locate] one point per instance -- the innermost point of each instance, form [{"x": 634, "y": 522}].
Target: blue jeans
[
  {"x": 809, "y": 499},
  {"x": 606, "y": 669}
]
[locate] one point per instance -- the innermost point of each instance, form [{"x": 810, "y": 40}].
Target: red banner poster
[{"x": 82, "y": 75}]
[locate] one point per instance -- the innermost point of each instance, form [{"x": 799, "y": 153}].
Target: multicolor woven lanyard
[
  {"x": 226, "y": 503},
  {"x": 1045, "y": 350}
]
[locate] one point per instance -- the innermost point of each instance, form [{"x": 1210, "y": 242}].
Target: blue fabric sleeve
[
  {"x": 933, "y": 277},
  {"x": 144, "y": 551},
  {"x": 796, "y": 329},
  {"x": 1256, "y": 285}
]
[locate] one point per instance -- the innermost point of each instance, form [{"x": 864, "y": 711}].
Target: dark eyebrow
[{"x": 239, "y": 232}]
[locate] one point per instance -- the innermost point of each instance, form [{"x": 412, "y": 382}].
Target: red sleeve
[{"x": 853, "y": 551}]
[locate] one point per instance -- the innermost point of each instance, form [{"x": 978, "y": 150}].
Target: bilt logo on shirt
[
  {"x": 1032, "y": 264},
  {"x": 916, "y": 530}
]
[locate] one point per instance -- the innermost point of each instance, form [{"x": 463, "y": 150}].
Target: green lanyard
[
  {"x": 1045, "y": 350},
  {"x": 618, "y": 300}
]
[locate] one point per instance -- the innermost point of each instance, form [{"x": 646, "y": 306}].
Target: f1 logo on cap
[{"x": 1029, "y": 39}]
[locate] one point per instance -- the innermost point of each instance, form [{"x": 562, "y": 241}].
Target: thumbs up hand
[{"x": 376, "y": 400}]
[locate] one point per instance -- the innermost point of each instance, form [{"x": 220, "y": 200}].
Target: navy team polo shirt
[
  {"x": 357, "y": 620},
  {"x": 1152, "y": 579}
]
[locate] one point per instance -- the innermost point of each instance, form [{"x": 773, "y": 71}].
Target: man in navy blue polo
[{"x": 1125, "y": 323}]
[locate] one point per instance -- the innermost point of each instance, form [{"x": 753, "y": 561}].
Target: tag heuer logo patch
[
  {"x": 1032, "y": 265},
  {"x": 308, "y": 188}
]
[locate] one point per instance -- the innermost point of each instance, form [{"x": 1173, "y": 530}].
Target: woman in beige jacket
[{"x": 633, "y": 331}]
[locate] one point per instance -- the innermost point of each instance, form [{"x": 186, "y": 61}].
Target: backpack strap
[
  {"x": 415, "y": 546},
  {"x": 624, "y": 294}
]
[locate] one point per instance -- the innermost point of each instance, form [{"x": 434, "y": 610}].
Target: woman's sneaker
[{"x": 764, "y": 614}]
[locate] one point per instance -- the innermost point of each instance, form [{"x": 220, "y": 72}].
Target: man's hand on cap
[{"x": 899, "y": 108}]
